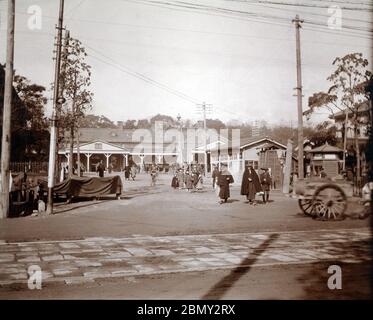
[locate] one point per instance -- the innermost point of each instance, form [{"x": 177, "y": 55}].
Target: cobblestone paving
[{"x": 71, "y": 262}]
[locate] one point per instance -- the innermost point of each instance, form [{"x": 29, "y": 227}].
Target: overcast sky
[{"x": 243, "y": 64}]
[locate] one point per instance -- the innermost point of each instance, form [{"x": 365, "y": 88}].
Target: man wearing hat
[{"x": 265, "y": 181}]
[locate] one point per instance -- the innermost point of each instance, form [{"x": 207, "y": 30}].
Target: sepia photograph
[{"x": 186, "y": 150}]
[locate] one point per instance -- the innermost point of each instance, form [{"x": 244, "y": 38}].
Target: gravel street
[{"x": 184, "y": 246}]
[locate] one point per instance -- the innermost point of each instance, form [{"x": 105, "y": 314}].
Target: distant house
[
  {"x": 259, "y": 152},
  {"x": 327, "y": 158},
  {"x": 364, "y": 115},
  {"x": 120, "y": 147}
]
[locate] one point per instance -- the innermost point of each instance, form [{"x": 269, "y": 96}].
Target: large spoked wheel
[
  {"x": 306, "y": 206},
  {"x": 329, "y": 202}
]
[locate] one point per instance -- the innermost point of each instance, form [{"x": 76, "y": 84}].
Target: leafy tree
[
  {"x": 35, "y": 133},
  {"x": 93, "y": 121},
  {"x": 130, "y": 124},
  {"x": 324, "y": 132},
  {"x": 215, "y": 124},
  {"x": 29, "y": 127},
  {"x": 346, "y": 93},
  {"x": 143, "y": 124},
  {"x": 76, "y": 79},
  {"x": 168, "y": 121}
]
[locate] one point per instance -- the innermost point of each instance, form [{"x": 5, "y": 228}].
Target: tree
[
  {"x": 30, "y": 136},
  {"x": 143, "y": 124},
  {"x": 215, "y": 124},
  {"x": 93, "y": 121},
  {"x": 168, "y": 121},
  {"x": 324, "y": 132},
  {"x": 76, "y": 79},
  {"x": 35, "y": 134},
  {"x": 130, "y": 124},
  {"x": 346, "y": 93}
]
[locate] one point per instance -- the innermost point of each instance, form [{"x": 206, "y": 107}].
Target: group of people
[
  {"x": 187, "y": 179},
  {"x": 251, "y": 184}
]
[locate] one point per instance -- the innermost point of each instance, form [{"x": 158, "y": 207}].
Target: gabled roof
[
  {"x": 362, "y": 108},
  {"x": 105, "y": 134},
  {"x": 251, "y": 142},
  {"x": 326, "y": 148}
]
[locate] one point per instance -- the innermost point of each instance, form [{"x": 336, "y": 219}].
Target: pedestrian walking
[
  {"x": 250, "y": 184},
  {"x": 153, "y": 175},
  {"x": 266, "y": 182},
  {"x": 175, "y": 182},
  {"x": 133, "y": 172},
  {"x": 199, "y": 184},
  {"x": 214, "y": 176},
  {"x": 100, "y": 169},
  {"x": 180, "y": 178},
  {"x": 195, "y": 175},
  {"x": 126, "y": 172},
  {"x": 188, "y": 181},
  {"x": 225, "y": 178}
]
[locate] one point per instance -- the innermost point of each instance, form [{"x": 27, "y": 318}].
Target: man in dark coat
[
  {"x": 100, "y": 169},
  {"x": 250, "y": 184},
  {"x": 224, "y": 180},
  {"x": 126, "y": 172},
  {"x": 175, "y": 182},
  {"x": 265, "y": 181}
]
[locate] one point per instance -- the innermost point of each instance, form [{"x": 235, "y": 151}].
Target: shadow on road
[
  {"x": 221, "y": 287},
  {"x": 62, "y": 209},
  {"x": 355, "y": 275}
]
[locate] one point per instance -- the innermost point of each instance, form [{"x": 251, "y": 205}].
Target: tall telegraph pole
[
  {"x": 204, "y": 111},
  {"x": 298, "y": 22},
  {"x": 7, "y": 111},
  {"x": 56, "y": 97}
]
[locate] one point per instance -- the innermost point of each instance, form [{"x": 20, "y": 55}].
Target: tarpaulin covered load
[{"x": 89, "y": 186}]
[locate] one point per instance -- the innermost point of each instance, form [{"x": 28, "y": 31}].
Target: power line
[
  {"x": 140, "y": 76},
  {"x": 290, "y": 11},
  {"x": 239, "y": 14},
  {"x": 312, "y": 5}
]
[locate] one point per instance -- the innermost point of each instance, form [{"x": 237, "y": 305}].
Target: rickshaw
[
  {"x": 324, "y": 195},
  {"x": 323, "y": 198}
]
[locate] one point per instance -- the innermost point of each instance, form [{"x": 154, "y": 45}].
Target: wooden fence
[{"x": 31, "y": 167}]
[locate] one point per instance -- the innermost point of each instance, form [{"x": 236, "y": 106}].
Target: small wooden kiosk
[{"x": 327, "y": 158}]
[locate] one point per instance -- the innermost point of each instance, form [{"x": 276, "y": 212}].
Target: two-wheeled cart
[{"x": 323, "y": 198}]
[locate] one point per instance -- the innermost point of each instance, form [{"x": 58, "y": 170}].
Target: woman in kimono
[
  {"x": 199, "y": 184},
  {"x": 250, "y": 184},
  {"x": 224, "y": 180},
  {"x": 180, "y": 178},
  {"x": 188, "y": 181}
]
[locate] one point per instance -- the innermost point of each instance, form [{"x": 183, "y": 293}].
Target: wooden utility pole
[
  {"x": 298, "y": 22},
  {"x": 56, "y": 101},
  {"x": 7, "y": 111},
  {"x": 204, "y": 111},
  {"x": 288, "y": 167},
  {"x": 345, "y": 140},
  {"x": 61, "y": 94},
  {"x": 205, "y": 135}
]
